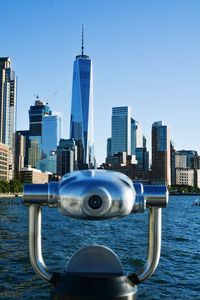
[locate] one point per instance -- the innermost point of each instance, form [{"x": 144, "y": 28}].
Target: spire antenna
[{"x": 82, "y": 46}]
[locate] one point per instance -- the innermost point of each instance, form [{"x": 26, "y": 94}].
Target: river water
[{"x": 178, "y": 273}]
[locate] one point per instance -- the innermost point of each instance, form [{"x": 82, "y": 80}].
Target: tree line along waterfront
[
  {"x": 12, "y": 186},
  {"x": 183, "y": 189}
]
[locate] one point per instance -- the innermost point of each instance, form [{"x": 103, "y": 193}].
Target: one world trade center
[{"x": 81, "y": 123}]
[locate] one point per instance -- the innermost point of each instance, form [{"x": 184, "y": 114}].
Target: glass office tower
[
  {"x": 161, "y": 170},
  {"x": 8, "y": 86},
  {"x": 121, "y": 129},
  {"x": 136, "y": 136},
  {"x": 81, "y": 123},
  {"x": 7, "y": 102},
  {"x": 51, "y": 134},
  {"x": 36, "y": 113}
]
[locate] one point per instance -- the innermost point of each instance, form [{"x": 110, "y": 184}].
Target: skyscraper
[
  {"x": 36, "y": 113},
  {"x": 7, "y": 102},
  {"x": 161, "y": 171},
  {"x": 18, "y": 139},
  {"x": 20, "y": 152},
  {"x": 51, "y": 134},
  {"x": 81, "y": 123},
  {"x": 7, "y": 108},
  {"x": 189, "y": 154},
  {"x": 136, "y": 136},
  {"x": 121, "y": 129},
  {"x": 109, "y": 147},
  {"x": 69, "y": 156}
]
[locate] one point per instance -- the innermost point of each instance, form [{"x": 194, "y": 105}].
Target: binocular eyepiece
[{"x": 95, "y": 202}]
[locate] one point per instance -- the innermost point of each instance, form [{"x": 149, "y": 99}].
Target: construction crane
[
  {"x": 50, "y": 98},
  {"x": 36, "y": 96}
]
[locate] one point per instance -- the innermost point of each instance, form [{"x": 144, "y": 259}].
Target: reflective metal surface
[
  {"x": 77, "y": 193},
  {"x": 114, "y": 191},
  {"x": 94, "y": 260},
  {"x": 156, "y": 195},
  {"x": 36, "y": 194},
  {"x": 95, "y": 195},
  {"x": 35, "y": 246},
  {"x": 140, "y": 201},
  {"x": 154, "y": 244}
]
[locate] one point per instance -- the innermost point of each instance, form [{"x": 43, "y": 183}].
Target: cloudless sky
[{"x": 145, "y": 54}]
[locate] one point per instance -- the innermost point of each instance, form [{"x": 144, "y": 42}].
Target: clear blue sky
[{"x": 145, "y": 54}]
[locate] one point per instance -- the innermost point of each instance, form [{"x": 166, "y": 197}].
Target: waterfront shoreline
[
  {"x": 184, "y": 194},
  {"x": 16, "y": 195}
]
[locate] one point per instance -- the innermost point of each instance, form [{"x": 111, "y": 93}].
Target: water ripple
[{"x": 177, "y": 275}]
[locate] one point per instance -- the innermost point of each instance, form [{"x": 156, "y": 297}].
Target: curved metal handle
[
  {"x": 154, "y": 197},
  {"x": 35, "y": 245},
  {"x": 154, "y": 247}
]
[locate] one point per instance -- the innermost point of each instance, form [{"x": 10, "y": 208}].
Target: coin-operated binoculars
[{"x": 95, "y": 272}]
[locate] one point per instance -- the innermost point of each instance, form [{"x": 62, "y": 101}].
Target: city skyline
[{"x": 149, "y": 61}]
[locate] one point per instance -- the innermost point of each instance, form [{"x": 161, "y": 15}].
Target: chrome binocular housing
[{"x": 96, "y": 195}]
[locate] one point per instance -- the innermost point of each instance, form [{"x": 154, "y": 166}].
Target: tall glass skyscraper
[
  {"x": 7, "y": 102},
  {"x": 36, "y": 113},
  {"x": 136, "y": 136},
  {"x": 161, "y": 170},
  {"x": 121, "y": 129},
  {"x": 81, "y": 123},
  {"x": 51, "y": 134},
  {"x": 7, "y": 108}
]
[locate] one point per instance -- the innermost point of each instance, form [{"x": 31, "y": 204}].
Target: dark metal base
[{"x": 73, "y": 287}]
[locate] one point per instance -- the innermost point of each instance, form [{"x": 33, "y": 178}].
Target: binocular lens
[{"x": 95, "y": 202}]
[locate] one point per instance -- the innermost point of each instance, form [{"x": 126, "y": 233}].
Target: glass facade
[
  {"x": 18, "y": 150},
  {"x": 133, "y": 136},
  {"x": 66, "y": 156},
  {"x": 109, "y": 147},
  {"x": 136, "y": 136},
  {"x": 161, "y": 170},
  {"x": 81, "y": 123},
  {"x": 51, "y": 134},
  {"x": 36, "y": 113},
  {"x": 121, "y": 129},
  {"x": 7, "y": 102},
  {"x": 189, "y": 156},
  {"x": 34, "y": 151},
  {"x": 142, "y": 157},
  {"x": 8, "y": 86},
  {"x": 48, "y": 164},
  {"x": 11, "y": 106}
]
